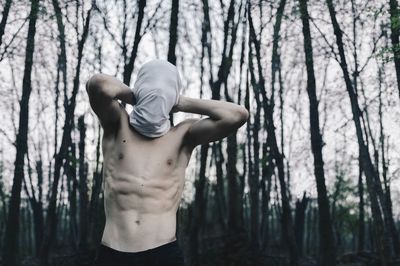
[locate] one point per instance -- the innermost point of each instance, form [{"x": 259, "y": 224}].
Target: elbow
[
  {"x": 240, "y": 116},
  {"x": 245, "y": 114},
  {"x": 96, "y": 83}
]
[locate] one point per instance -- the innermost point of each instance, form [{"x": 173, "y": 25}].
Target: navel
[
  {"x": 137, "y": 222},
  {"x": 169, "y": 161}
]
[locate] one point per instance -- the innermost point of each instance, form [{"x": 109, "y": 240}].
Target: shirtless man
[{"x": 144, "y": 177}]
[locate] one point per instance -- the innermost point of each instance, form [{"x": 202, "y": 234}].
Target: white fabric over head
[{"x": 157, "y": 89}]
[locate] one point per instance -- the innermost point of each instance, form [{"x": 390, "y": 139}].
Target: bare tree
[
  {"x": 373, "y": 183},
  {"x": 12, "y": 227},
  {"x": 268, "y": 104},
  {"x": 394, "y": 36},
  {"x": 83, "y": 191},
  {"x": 230, "y": 29},
  {"x": 327, "y": 241},
  {"x": 3, "y": 22},
  {"x": 130, "y": 61},
  {"x": 173, "y": 38},
  {"x": 51, "y": 219}
]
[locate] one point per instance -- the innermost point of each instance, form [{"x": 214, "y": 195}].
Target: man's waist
[{"x": 139, "y": 231}]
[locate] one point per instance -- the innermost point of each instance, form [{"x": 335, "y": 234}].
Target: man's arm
[
  {"x": 103, "y": 90},
  {"x": 224, "y": 118}
]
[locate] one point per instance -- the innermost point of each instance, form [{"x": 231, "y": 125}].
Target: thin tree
[
  {"x": 3, "y": 21},
  {"x": 268, "y": 104},
  {"x": 394, "y": 36},
  {"x": 129, "y": 61},
  {"x": 361, "y": 215},
  {"x": 12, "y": 227},
  {"x": 230, "y": 29},
  {"x": 173, "y": 38},
  {"x": 51, "y": 218},
  {"x": 197, "y": 208},
  {"x": 327, "y": 241},
  {"x": 83, "y": 191},
  {"x": 35, "y": 199},
  {"x": 373, "y": 183}
]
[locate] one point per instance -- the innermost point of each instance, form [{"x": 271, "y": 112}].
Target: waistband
[{"x": 153, "y": 251}]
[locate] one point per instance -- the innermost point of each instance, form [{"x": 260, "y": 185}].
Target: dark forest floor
[
  {"x": 242, "y": 258},
  {"x": 230, "y": 250}
]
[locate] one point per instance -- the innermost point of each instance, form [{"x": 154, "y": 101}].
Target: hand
[{"x": 175, "y": 108}]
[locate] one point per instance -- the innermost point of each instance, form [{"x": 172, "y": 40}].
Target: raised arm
[
  {"x": 103, "y": 91},
  {"x": 224, "y": 118}
]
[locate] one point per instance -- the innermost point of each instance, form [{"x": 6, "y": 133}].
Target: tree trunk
[
  {"x": 72, "y": 186},
  {"x": 234, "y": 195},
  {"x": 83, "y": 191},
  {"x": 327, "y": 241},
  {"x": 220, "y": 186},
  {"x": 37, "y": 208},
  {"x": 173, "y": 32},
  {"x": 386, "y": 183},
  {"x": 361, "y": 219},
  {"x": 3, "y": 22},
  {"x": 95, "y": 196},
  {"x": 198, "y": 206},
  {"x": 128, "y": 66},
  {"x": 51, "y": 219},
  {"x": 10, "y": 251},
  {"x": 254, "y": 177},
  {"x": 267, "y": 172},
  {"x": 287, "y": 224},
  {"x": 173, "y": 38},
  {"x": 381, "y": 232},
  {"x": 394, "y": 36},
  {"x": 300, "y": 215}
]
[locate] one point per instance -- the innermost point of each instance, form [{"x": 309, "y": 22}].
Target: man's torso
[{"x": 143, "y": 180}]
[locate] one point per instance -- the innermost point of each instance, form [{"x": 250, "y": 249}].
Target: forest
[{"x": 312, "y": 178}]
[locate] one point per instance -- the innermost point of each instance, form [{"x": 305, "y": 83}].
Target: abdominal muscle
[{"x": 142, "y": 192}]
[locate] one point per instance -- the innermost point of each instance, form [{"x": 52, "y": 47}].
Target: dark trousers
[{"x": 168, "y": 254}]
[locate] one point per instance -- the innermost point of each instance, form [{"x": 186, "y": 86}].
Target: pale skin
[{"x": 144, "y": 177}]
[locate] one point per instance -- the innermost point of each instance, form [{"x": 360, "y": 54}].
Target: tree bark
[
  {"x": 220, "y": 186},
  {"x": 198, "y": 207},
  {"x": 254, "y": 177},
  {"x": 267, "y": 172},
  {"x": 83, "y": 191},
  {"x": 72, "y": 187},
  {"x": 173, "y": 39},
  {"x": 361, "y": 219},
  {"x": 94, "y": 205},
  {"x": 173, "y": 32},
  {"x": 300, "y": 215}
]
